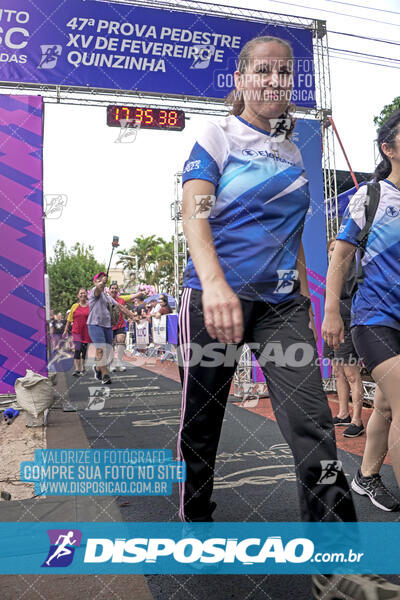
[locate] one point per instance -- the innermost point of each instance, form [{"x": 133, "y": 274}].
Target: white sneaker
[
  {"x": 113, "y": 368},
  {"x": 353, "y": 587},
  {"x": 121, "y": 368}
]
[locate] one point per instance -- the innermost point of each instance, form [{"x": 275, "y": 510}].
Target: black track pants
[{"x": 284, "y": 345}]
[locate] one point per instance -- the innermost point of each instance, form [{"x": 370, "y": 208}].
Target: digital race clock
[{"x": 150, "y": 118}]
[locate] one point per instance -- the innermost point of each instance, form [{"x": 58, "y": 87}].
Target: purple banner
[
  {"x": 132, "y": 47},
  {"x": 22, "y": 312}
]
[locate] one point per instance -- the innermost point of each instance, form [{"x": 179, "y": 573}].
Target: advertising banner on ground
[{"x": 129, "y": 47}]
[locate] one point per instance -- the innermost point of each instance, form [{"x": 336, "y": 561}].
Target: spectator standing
[
  {"x": 78, "y": 316},
  {"x": 57, "y": 327},
  {"x": 100, "y": 325}
]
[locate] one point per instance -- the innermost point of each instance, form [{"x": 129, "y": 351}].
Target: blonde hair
[{"x": 236, "y": 97}]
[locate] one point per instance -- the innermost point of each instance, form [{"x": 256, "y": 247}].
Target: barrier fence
[{"x": 154, "y": 338}]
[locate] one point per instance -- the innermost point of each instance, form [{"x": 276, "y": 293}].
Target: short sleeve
[
  {"x": 70, "y": 317},
  {"x": 207, "y": 156},
  {"x": 354, "y": 217}
]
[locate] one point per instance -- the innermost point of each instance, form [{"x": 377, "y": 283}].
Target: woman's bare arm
[{"x": 332, "y": 327}]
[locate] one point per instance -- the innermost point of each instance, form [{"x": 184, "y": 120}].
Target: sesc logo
[
  {"x": 191, "y": 549},
  {"x": 62, "y": 547}
]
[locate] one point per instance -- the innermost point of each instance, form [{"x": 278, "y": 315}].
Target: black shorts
[
  {"x": 375, "y": 344},
  {"x": 346, "y": 354},
  {"x": 118, "y": 331}
]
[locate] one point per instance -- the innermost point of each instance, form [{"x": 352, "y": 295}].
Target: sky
[{"x": 127, "y": 189}]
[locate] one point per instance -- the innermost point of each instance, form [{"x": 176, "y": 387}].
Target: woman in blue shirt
[
  {"x": 375, "y": 311},
  {"x": 245, "y": 198}
]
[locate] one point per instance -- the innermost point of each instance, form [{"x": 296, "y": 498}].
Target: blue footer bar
[{"x": 223, "y": 548}]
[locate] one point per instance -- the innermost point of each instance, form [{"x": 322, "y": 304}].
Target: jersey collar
[
  {"x": 392, "y": 184},
  {"x": 264, "y": 131}
]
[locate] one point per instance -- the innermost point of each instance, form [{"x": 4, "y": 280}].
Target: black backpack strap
[{"x": 371, "y": 206}]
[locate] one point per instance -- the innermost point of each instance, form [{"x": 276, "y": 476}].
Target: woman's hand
[
  {"x": 223, "y": 314},
  {"x": 333, "y": 329}
]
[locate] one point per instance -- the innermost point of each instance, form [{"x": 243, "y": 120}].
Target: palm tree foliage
[{"x": 155, "y": 257}]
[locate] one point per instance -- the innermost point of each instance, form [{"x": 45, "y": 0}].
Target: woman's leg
[
  {"x": 387, "y": 377},
  {"x": 120, "y": 343},
  {"x": 99, "y": 337},
  {"x": 343, "y": 389},
  {"x": 378, "y": 428},
  {"x": 108, "y": 350},
  {"x": 352, "y": 374},
  {"x": 77, "y": 355},
  {"x": 206, "y": 382},
  {"x": 84, "y": 348},
  {"x": 301, "y": 408}
]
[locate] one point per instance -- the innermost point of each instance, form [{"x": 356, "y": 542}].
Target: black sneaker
[
  {"x": 345, "y": 421},
  {"x": 106, "y": 380},
  {"x": 97, "y": 373},
  {"x": 76, "y": 374},
  {"x": 353, "y": 587},
  {"x": 354, "y": 430},
  {"x": 373, "y": 488}
]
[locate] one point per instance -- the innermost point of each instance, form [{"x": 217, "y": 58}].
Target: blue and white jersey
[
  {"x": 257, "y": 219},
  {"x": 377, "y": 300}
]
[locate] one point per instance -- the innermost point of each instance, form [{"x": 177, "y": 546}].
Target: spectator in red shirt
[{"x": 78, "y": 316}]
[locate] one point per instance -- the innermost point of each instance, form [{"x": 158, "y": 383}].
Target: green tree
[
  {"x": 387, "y": 111},
  {"x": 68, "y": 270},
  {"x": 155, "y": 258}
]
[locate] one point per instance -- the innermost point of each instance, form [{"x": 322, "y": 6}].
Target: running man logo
[
  {"x": 97, "y": 397},
  {"x": 50, "y": 54},
  {"x": 204, "y": 204},
  {"x": 329, "y": 471},
  {"x": 287, "y": 279},
  {"x": 203, "y": 56},
  {"x": 279, "y": 128},
  {"x": 129, "y": 130},
  {"x": 54, "y": 205},
  {"x": 62, "y": 547}
]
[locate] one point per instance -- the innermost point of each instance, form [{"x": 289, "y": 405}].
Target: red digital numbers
[{"x": 150, "y": 118}]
